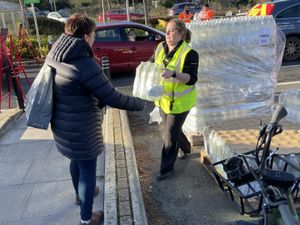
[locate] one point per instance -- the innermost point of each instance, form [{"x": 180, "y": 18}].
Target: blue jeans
[{"x": 83, "y": 173}]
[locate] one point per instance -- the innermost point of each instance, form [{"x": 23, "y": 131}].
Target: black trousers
[{"x": 174, "y": 139}]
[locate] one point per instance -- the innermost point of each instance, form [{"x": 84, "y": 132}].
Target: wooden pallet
[{"x": 195, "y": 138}]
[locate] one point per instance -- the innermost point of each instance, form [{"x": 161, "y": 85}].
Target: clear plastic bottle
[
  {"x": 143, "y": 83},
  {"x": 137, "y": 80},
  {"x": 154, "y": 87},
  {"x": 294, "y": 160}
]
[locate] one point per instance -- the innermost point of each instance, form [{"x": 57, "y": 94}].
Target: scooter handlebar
[{"x": 279, "y": 114}]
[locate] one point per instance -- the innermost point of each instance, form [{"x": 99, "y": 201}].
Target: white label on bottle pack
[{"x": 264, "y": 36}]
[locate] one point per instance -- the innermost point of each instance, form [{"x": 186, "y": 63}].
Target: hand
[{"x": 167, "y": 74}]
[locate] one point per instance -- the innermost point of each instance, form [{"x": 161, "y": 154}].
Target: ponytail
[{"x": 187, "y": 36}]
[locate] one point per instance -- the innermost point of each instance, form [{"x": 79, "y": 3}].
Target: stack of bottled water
[
  {"x": 239, "y": 60},
  {"x": 291, "y": 101},
  {"x": 147, "y": 83}
]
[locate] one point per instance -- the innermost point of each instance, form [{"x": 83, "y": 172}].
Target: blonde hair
[{"x": 180, "y": 26}]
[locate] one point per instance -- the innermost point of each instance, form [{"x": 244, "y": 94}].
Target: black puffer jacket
[{"x": 80, "y": 89}]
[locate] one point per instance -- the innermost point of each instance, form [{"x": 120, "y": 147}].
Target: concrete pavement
[{"x": 35, "y": 185}]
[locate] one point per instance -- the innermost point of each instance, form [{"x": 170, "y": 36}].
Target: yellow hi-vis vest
[{"x": 177, "y": 97}]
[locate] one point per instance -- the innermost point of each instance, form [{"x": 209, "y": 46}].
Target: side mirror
[{"x": 157, "y": 37}]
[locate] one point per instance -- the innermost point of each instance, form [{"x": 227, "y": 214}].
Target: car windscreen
[
  {"x": 108, "y": 35},
  {"x": 291, "y": 12}
]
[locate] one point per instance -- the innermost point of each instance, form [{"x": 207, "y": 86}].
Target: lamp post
[
  {"x": 36, "y": 26},
  {"x": 54, "y": 4},
  {"x": 24, "y": 13},
  {"x": 145, "y": 11},
  {"x": 127, "y": 10},
  {"x": 31, "y": 2},
  {"x": 103, "y": 11}
]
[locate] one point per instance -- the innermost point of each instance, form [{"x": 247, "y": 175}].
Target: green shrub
[
  {"x": 46, "y": 26},
  {"x": 25, "y": 53},
  {"x": 168, "y": 3}
]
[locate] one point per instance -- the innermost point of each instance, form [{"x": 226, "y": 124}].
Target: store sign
[{"x": 31, "y": 1}]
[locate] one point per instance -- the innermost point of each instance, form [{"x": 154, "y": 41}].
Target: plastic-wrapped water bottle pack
[
  {"x": 239, "y": 60},
  {"x": 147, "y": 83},
  {"x": 291, "y": 101}
]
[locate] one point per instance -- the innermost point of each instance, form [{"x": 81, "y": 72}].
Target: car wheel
[{"x": 292, "y": 48}]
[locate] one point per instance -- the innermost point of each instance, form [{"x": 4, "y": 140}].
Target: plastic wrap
[
  {"x": 155, "y": 116},
  {"x": 215, "y": 147},
  {"x": 147, "y": 81},
  {"x": 291, "y": 101},
  {"x": 40, "y": 100},
  {"x": 239, "y": 60}
]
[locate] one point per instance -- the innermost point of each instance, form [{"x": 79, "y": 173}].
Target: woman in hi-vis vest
[{"x": 179, "y": 94}]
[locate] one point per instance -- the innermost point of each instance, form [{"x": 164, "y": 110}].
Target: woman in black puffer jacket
[{"x": 80, "y": 90}]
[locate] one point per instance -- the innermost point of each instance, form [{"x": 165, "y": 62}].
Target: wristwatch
[{"x": 174, "y": 74}]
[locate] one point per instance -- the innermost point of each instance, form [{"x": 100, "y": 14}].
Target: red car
[
  {"x": 126, "y": 44},
  {"x": 119, "y": 14}
]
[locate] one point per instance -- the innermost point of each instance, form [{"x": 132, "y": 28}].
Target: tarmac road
[{"x": 191, "y": 196}]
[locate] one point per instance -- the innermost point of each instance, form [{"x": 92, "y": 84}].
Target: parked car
[
  {"x": 179, "y": 7},
  {"x": 119, "y": 14},
  {"x": 125, "y": 43},
  {"x": 45, "y": 12},
  {"x": 38, "y": 12},
  {"x": 287, "y": 16},
  {"x": 65, "y": 12},
  {"x": 57, "y": 16}
]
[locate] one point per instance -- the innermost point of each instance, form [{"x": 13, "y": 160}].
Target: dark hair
[
  {"x": 206, "y": 5},
  {"x": 78, "y": 25},
  {"x": 186, "y": 7},
  {"x": 180, "y": 26}
]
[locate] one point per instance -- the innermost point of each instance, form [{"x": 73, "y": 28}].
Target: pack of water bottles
[
  {"x": 291, "y": 101},
  {"x": 147, "y": 83},
  {"x": 239, "y": 60}
]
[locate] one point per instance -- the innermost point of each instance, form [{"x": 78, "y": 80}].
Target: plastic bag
[
  {"x": 39, "y": 99},
  {"x": 155, "y": 116},
  {"x": 147, "y": 81}
]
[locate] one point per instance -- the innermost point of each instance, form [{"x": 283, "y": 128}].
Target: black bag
[{"x": 236, "y": 171}]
